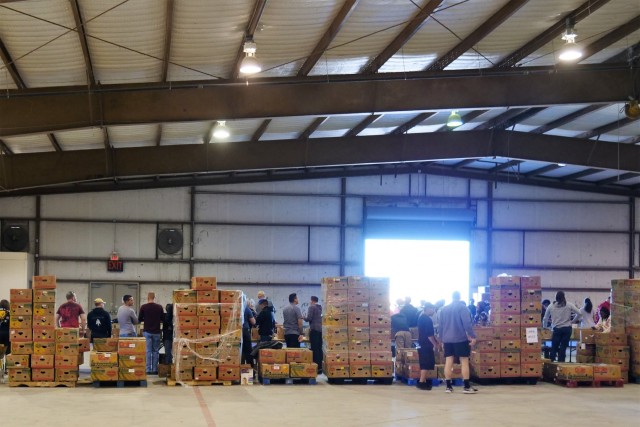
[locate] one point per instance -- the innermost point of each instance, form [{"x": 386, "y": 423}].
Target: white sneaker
[
  {"x": 470, "y": 390},
  {"x": 449, "y": 390}
]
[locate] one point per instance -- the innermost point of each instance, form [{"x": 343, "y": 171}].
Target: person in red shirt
[
  {"x": 152, "y": 315},
  {"x": 71, "y": 315}
]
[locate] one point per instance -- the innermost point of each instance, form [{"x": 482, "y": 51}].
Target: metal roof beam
[
  {"x": 258, "y": 8},
  {"x": 342, "y": 16},
  {"x": 405, "y": 127},
  {"x": 611, "y": 37},
  {"x": 404, "y": 36},
  {"x": 615, "y": 125},
  {"x": 581, "y": 174},
  {"x": 54, "y": 142},
  {"x": 168, "y": 30},
  {"x": 463, "y": 163},
  {"x": 10, "y": 66},
  {"x": 583, "y": 11},
  {"x": 476, "y": 36},
  {"x": 617, "y": 178},
  {"x": 4, "y": 148},
  {"x": 362, "y": 125},
  {"x": 77, "y": 17},
  {"x": 82, "y": 165},
  {"x": 32, "y": 111},
  {"x": 505, "y": 165},
  {"x": 568, "y": 118},
  {"x": 261, "y": 130},
  {"x": 312, "y": 128},
  {"x": 542, "y": 170}
]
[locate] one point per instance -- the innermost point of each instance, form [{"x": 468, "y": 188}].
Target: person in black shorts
[
  {"x": 457, "y": 336},
  {"x": 427, "y": 341}
]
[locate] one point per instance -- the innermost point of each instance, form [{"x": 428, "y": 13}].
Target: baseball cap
[
  {"x": 99, "y": 301},
  {"x": 262, "y": 301},
  {"x": 428, "y": 305}
]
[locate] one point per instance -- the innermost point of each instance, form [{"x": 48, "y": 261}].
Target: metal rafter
[
  {"x": 159, "y": 135},
  {"x": 463, "y": 163},
  {"x": 4, "y": 148},
  {"x": 611, "y": 37},
  {"x": 568, "y": 118},
  {"x": 54, "y": 142},
  {"x": 607, "y": 128},
  {"x": 261, "y": 130},
  {"x": 407, "y": 32},
  {"x": 342, "y": 16},
  {"x": 168, "y": 30},
  {"x": 77, "y": 17},
  {"x": 478, "y": 34},
  {"x": 251, "y": 157},
  {"x": 466, "y": 118},
  {"x": 405, "y": 127},
  {"x": 505, "y": 165},
  {"x": 312, "y": 128},
  {"x": 583, "y": 11},
  {"x": 11, "y": 66},
  {"x": 53, "y": 109},
  {"x": 581, "y": 174},
  {"x": 370, "y": 119},
  {"x": 500, "y": 119},
  {"x": 258, "y": 8},
  {"x": 630, "y": 54},
  {"x": 617, "y": 178},
  {"x": 542, "y": 170}
]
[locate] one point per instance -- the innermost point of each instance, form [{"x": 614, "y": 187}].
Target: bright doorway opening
[{"x": 425, "y": 270}]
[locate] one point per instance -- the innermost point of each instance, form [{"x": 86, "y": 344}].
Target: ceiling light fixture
[
  {"x": 561, "y": 164},
  {"x": 570, "y": 51},
  {"x": 454, "y": 120},
  {"x": 250, "y": 64},
  {"x": 221, "y": 131}
]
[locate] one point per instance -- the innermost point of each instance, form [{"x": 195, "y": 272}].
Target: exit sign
[{"x": 115, "y": 266}]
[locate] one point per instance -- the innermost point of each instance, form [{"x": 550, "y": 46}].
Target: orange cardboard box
[
  {"x": 303, "y": 370},
  {"x": 44, "y": 347},
  {"x": 488, "y": 346},
  {"x": 335, "y": 282},
  {"x": 185, "y": 296},
  {"x": 337, "y": 346},
  {"x": 274, "y": 371},
  {"x": 105, "y": 344},
  {"x": 506, "y": 319},
  {"x": 533, "y": 370},
  {"x": 183, "y": 374},
  {"x": 40, "y": 374},
  {"x": 44, "y": 282},
  {"x": 42, "y": 361},
  {"x": 186, "y": 309},
  {"x": 380, "y": 356},
  {"x": 42, "y": 309},
  {"x": 21, "y": 309},
  {"x": 380, "y": 321},
  {"x": 66, "y": 375},
  {"x": 381, "y": 371},
  {"x": 67, "y": 334},
  {"x": 358, "y": 321},
  {"x": 272, "y": 356},
  {"x": 22, "y": 347},
  {"x": 229, "y": 372},
  {"x": 227, "y": 296},
  {"x": 510, "y": 358},
  {"x": 486, "y": 333},
  {"x": 208, "y": 322},
  {"x": 380, "y": 283},
  {"x": 359, "y": 346},
  {"x": 132, "y": 360},
  {"x": 357, "y": 282},
  {"x": 104, "y": 373},
  {"x": 44, "y": 295},
  {"x": 20, "y": 295},
  {"x": 360, "y": 371},
  {"x": 47, "y": 320},
  {"x": 20, "y": 335},
  {"x": 205, "y": 373},
  {"x": 84, "y": 344},
  {"x": 505, "y": 307},
  {"x": 485, "y": 358},
  {"x": 207, "y": 309},
  {"x": 17, "y": 361},
  {"x": 203, "y": 283},
  {"x": 509, "y": 371},
  {"x": 358, "y": 295},
  {"x": 336, "y": 370},
  {"x": 17, "y": 375},
  {"x": 46, "y": 334},
  {"x": 486, "y": 371},
  {"x": 359, "y": 358},
  {"x": 132, "y": 346},
  {"x": 211, "y": 296},
  {"x": 68, "y": 348},
  {"x": 62, "y": 361},
  {"x": 336, "y": 357},
  {"x": 132, "y": 374},
  {"x": 208, "y": 333},
  {"x": 186, "y": 333},
  {"x": 20, "y": 322},
  {"x": 380, "y": 334}
]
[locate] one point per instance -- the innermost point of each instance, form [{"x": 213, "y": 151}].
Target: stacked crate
[
  {"x": 207, "y": 332},
  {"x": 104, "y": 359},
  {"x": 408, "y": 364},
  {"x": 286, "y": 363},
  {"x": 39, "y": 351},
  {"x": 531, "y": 321},
  {"x": 633, "y": 334},
  {"x": 612, "y": 349},
  {"x": 132, "y": 359},
  {"x": 356, "y": 327},
  {"x": 586, "y": 349},
  {"x": 485, "y": 358}
]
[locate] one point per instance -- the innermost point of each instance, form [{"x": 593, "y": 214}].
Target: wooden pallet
[
  {"x": 267, "y": 381},
  {"x": 369, "y": 380},
  {"x": 593, "y": 383},
  {"x": 506, "y": 381},
  {"x": 192, "y": 383},
  {"x": 42, "y": 384},
  {"x": 435, "y": 382},
  {"x": 120, "y": 383}
]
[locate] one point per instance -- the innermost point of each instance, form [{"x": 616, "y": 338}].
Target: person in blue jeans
[
  {"x": 152, "y": 315},
  {"x": 560, "y": 313}
]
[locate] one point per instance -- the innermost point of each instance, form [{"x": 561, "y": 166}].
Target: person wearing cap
[
  {"x": 427, "y": 342},
  {"x": 265, "y": 321},
  {"x": 99, "y": 320}
]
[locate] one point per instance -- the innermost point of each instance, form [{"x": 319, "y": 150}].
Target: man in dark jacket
[
  {"x": 99, "y": 321},
  {"x": 265, "y": 321},
  {"x": 410, "y": 312}
]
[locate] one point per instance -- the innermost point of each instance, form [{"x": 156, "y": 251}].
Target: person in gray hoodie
[
  {"x": 560, "y": 313},
  {"x": 457, "y": 336}
]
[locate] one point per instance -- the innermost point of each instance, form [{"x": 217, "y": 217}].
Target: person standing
[
  {"x": 262, "y": 295},
  {"x": 410, "y": 312},
  {"x": 71, "y": 315},
  {"x": 5, "y": 313},
  {"x": 427, "y": 342},
  {"x": 586, "y": 314},
  {"x": 606, "y": 304},
  {"x": 560, "y": 313},
  {"x": 314, "y": 317},
  {"x": 265, "y": 321},
  {"x": 167, "y": 334},
  {"x": 152, "y": 315},
  {"x": 99, "y": 320},
  {"x": 292, "y": 322},
  {"x": 248, "y": 322},
  {"x": 457, "y": 336},
  {"x": 127, "y": 318}
]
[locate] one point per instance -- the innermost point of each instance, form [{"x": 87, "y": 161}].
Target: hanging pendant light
[
  {"x": 250, "y": 64},
  {"x": 221, "y": 131},
  {"x": 454, "y": 120},
  {"x": 571, "y": 51}
]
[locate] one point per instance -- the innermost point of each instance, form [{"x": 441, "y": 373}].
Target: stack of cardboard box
[
  {"x": 287, "y": 363},
  {"x": 408, "y": 364},
  {"x": 612, "y": 349},
  {"x": 132, "y": 359},
  {"x": 39, "y": 351},
  {"x": 207, "y": 332},
  {"x": 356, "y": 327},
  {"x": 510, "y": 347},
  {"x": 104, "y": 359},
  {"x": 586, "y": 349},
  {"x": 633, "y": 334}
]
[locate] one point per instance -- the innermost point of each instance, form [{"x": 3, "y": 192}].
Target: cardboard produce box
[
  {"x": 20, "y": 295},
  {"x": 615, "y": 351},
  {"x": 20, "y": 322},
  {"x": 19, "y": 375},
  {"x": 132, "y": 360},
  {"x": 568, "y": 371},
  {"x": 43, "y": 320},
  {"x": 510, "y": 358},
  {"x": 44, "y": 282},
  {"x": 20, "y": 335},
  {"x": 44, "y": 295},
  {"x": 40, "y": 374},
  {"x": 359, "y": 346},
  {"x": 42, "y": 361},
  {"x": 67, "y": 334},
  {"x": 105, "y": 344},
  {"x": 67, "y": 348},
  {"x": 509, "y": 371},
  {"x": 488, "y": 346},
  {"x": 531, "y": 370},
  {"x": 132, "y": 374},
  {"x": 340, "y": 282},
  {"x": 603, "y": 372},
  {"x": 66, "y": 375},
  {"x": 46, "y": 334},
  {"x": 230, "y": 296},
  {"x": 272, "y": 356},
  {"x": 360, "y": 371},
  {"x": 336, "y": 370},
  {"x": 275, "y": 370},
  {"x": 17, "y": 361},
  {"x": 132, "y": 346},
  {"x": 386, "y": 371},
  {"x": 585, "y": 359},
  {"x": 298, "y": 355},
  {"x": 340, "y": 309},
  {"x": 505, "y": 307},
  {"x": 185, "y": 296},
  {"x": 336, "y": 320},
  {"x": 229, "y": 372},
  {"x": 510, "y": 346},
  {"x": 485, "y": 333},
  {"x": 21, "y": 309},
  {"x": 336, "y": 356},
  {"x": 66, "y": 362},
  {"x": 509, "y": 332},
  {"x": 44, "y": 309},
  {"x": 205, "y": 373},
  {"x": 24, "y": 348},
  {"x": 481, "y": 358},
  {"x": 182, "y": 374},
  {"x": 485, "y": 371},
  {"x": 611, "y": 338},
  {"x": 303, "y": 370},
  {"x": 359, "y": 333},
  {"x": 203, "y": 283}
]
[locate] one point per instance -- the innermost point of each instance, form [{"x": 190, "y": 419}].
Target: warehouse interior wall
[{"x": 283, "y": 237}]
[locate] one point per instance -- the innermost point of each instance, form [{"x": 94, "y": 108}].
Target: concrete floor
[{"x": 318, "y": 405}]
